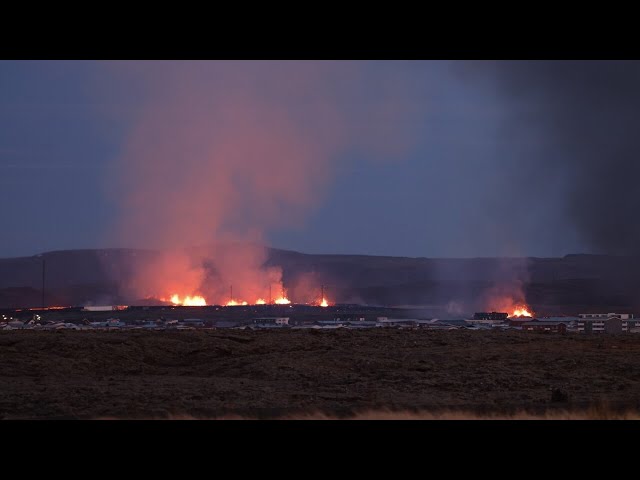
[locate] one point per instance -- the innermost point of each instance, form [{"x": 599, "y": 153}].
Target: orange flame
[
  {"x": 283, "y": 300},
  {"x": 521, "y": 311},
  {"x": 324, "y": 303},
  {"x": 260, "y": 301},
  {"x": 233, "y": 303},
  {"x": 187, "y": 301},
  {"x": 514, "y": 307}
]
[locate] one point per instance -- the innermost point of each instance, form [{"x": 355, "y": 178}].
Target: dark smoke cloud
[{"x": 587, "y": 113}]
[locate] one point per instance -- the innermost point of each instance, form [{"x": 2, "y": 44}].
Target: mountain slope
[{"x": 97, "y": 276}]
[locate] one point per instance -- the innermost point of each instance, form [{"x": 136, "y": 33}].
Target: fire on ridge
[
  {"x": 187, "y": 301},
  {"x": 201, "y": 301}
]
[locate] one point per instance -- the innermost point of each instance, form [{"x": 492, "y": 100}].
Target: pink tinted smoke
[{"x": 225, "y": 151}]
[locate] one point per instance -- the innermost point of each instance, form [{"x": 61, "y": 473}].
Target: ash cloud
[
  {"x": 588, "y": 115},
  {"x": 568, "y": 148},
  {"x": 222, "y": 152}
]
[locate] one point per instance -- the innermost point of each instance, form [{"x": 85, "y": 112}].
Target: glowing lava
[
  {"x": 233, "y": 303},
  {"x": 188, "y": 301},
  {"x": 521, "y": 311},
  {"x": 283, "y": 300},
  {"x": 324, "y": 303}
]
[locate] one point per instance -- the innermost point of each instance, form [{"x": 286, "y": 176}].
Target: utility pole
[
  {"x": 321, "y": 294},
  {"x": 270, "y": 294},
  {"x": 230, "y": 293},
  {"x": 43, "y": 281}
]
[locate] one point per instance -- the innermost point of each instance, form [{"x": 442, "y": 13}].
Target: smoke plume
[
  {"x": 589, "y": 113},
  {"x": 221, "y": 152}
]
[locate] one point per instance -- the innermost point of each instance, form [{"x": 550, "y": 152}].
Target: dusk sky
[{"x": 450, "y": 183}]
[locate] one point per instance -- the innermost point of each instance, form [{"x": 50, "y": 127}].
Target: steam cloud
[{"x": 222, "y": 152}]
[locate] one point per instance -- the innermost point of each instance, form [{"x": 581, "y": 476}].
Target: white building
[
  {"x": 622, "y": 316},
  {"x": 103, "y": 308},
  {"x": 280, "y": 321},
  {"x": 607, "y": 323}
]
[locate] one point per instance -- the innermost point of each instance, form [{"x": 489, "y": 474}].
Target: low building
[
  {"x": 226, "y": 324},
  {"x": 631, "y": 325},
  {"x": 109, "y": 323},
  {"x": 363, "y": 324},
  {"x": 564, "y": 319},
  {"x": 277, "y": 321},
  {"x": 621, "y": 316},
  {"x": 490, "y": 316},
  {"x": 350, "y": 317},
  {"x": 104, "y": 308},
  {"x": 398, "y": 322},
  {"x": 15, "y": 325},
  {"x": 545, "y": 326},
  {"x": 192, "y": 322},
  {"x": 519, "y": 321},
  {"x": 607, "y": 323},
  {"x": 330, "y": 323}
]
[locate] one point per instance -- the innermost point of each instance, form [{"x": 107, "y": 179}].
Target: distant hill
[{"x": 570, "y": 283}]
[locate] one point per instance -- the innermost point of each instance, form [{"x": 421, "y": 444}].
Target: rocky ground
[{"x": 293, "y": 373}]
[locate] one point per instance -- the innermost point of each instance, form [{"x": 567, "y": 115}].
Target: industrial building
[
  {"x": 502, "y": 316},
  {"x": 544, "y": 326},
  {"x": 271, "y": 321},
  {"x": 607, "y": 323}
]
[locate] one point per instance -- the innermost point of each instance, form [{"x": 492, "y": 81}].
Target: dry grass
[
  {"x": 594, "y": 413},
  {"x": 358, "y": 374}
]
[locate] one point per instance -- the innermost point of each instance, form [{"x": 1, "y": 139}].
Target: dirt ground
[{"x": 314, "y": 374}]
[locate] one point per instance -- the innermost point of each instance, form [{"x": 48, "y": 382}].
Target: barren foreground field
[{"x": 295, "y": 374}]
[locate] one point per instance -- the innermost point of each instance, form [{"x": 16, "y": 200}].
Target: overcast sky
[{"x": 451, "y": 191}]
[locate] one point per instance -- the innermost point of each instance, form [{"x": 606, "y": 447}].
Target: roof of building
[
  {"x": 455, "y": 321},
  {"x": 540, "y": 323},
  {"x": 605, "y": 319},
  {"x": 399, "y": 320},
  {"x": 226, "y": 324}
]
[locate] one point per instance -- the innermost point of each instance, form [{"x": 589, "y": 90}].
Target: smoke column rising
[
  {"x": 589, "y": 113},
  {"x": 569, "y": 150},
  {"x": 221, "y": 152}
]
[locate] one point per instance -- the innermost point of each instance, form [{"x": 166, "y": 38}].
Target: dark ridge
[{"x": 78, "y": 277}]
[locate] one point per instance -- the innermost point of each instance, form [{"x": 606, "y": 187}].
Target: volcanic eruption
[{"x": 221, "y": 153}]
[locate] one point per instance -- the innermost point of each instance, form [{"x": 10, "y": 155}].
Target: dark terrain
[
  {"x": 267, "y": 374},
  {"x": 568, "y": 285}
]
